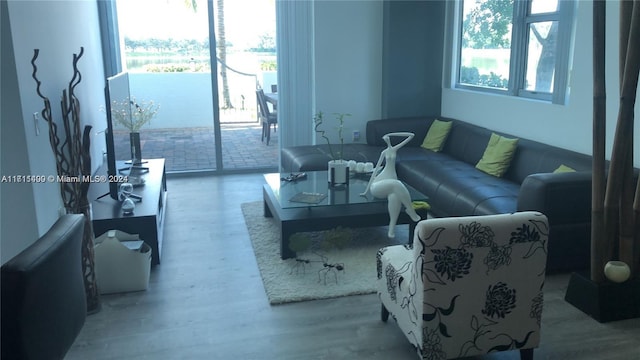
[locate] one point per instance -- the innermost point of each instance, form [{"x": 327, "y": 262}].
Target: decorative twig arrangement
[
  {"x": 70, "y": 157},
  {"x": 73, "y": 162}
]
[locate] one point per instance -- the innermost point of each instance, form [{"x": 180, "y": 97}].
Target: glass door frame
[{"x": 215, "y": 96}]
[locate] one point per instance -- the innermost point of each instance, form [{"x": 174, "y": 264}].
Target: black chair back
[{"x": 265, "y": 113}]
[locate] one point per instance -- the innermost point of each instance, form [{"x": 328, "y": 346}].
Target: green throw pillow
[
  {"x": 563, "y": 168},
  {"x": 497, "y": 156},
  {"x": 437, "y": 135}
]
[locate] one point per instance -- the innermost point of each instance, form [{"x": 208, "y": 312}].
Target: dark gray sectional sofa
[{"x": 456, "y": 188}]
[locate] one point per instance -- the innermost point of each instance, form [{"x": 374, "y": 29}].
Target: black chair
[
  {"x": 265, "y": 115},
  {"x": 44, "y": 304}
]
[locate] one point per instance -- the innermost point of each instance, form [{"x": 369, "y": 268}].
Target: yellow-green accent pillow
[
  {"x": 497, "y": 156},
  {"x": 421, "y": 205},
  {"x": 563, "y": 168},
  {"x": 437, "y": 135}
]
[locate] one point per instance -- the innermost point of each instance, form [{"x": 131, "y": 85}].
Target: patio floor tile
[{"x": 193, "y": 149}]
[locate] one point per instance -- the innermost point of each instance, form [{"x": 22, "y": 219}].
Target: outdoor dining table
[{"x": 271, "y": 98}]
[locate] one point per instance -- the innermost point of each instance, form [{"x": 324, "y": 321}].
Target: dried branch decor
[{"x": 73, "y": 161}]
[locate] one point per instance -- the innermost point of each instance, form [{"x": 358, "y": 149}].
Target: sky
[{"x": 245, "y": 20}]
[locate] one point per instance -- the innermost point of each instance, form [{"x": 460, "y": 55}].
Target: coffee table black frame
[{"x": 310, "y": 217}]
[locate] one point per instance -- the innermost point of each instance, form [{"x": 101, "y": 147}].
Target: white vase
[
  {"x": 617, "y": 271},
  {"x": 338, "y": 173}
]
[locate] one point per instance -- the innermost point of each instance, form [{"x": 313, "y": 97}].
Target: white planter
[
  {"x": 338, "y": 173},
  {"x": 617, "y": 271}
]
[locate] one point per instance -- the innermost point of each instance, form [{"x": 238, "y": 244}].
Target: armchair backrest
[{"x": 480, "y": 283}]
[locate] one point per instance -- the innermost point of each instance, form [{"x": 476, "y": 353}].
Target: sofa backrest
[
  {"x": 417, "y": 125},
  {"x": 532, "y": 157},
  {"x": 467, "y": 142}
]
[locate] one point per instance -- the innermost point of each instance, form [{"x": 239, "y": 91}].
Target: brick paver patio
[{"x": 193, "y": 149}]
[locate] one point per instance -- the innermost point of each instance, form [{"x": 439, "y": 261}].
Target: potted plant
[
  {"x": 338, "y": 167},
  {"x": 133, "y": 116}
]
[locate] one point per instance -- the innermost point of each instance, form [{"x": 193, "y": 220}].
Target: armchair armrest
[
  {"x": 565, "y": 198},
  {"x": 43, "y": 299}
]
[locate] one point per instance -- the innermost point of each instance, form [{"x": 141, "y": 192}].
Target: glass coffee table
[{"x": 309, "y": 204}]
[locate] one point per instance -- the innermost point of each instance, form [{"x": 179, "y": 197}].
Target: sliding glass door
[
  {"x": 165, "y": 48},
  {"x": 200, "y": 62},
  {"x": 246, "y": 60}
]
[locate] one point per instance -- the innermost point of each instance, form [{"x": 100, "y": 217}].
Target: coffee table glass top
[{"x": 314, "y": 191}]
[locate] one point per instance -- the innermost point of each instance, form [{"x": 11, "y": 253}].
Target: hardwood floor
[{"x": 206, "y": 301}]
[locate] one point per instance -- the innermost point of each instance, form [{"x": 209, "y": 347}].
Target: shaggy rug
[{"x": 350, "y": 265}]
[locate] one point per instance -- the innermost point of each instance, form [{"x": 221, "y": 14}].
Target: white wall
[
  {"x": 568, "y": 126},
  {"x": 185, "y": 99},
  {"x": 16, "y": 198},
  {"x": 348, "y": 62},
  {"x": 58, "y": 29}
]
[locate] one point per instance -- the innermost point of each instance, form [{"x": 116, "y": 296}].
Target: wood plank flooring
[{"x": 206, "y": 301}]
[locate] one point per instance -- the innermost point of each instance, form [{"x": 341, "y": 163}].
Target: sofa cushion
[
  {"x": 437, "y": 135},
  {"x": 497, "y": 156},
  {"x": 466, "y": 142},
  {"x": 456, "y": 188}
]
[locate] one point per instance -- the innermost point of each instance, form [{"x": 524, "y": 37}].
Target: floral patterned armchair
[{"x": 468, "y": 285}]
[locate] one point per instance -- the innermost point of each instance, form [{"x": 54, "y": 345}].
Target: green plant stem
[{"x": 318, "y": 120}]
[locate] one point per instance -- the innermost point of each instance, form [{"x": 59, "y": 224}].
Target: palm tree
[{"x": 221, "y": 46}]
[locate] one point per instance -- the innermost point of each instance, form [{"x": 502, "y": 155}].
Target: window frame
[{"x": 522, "y": 19}]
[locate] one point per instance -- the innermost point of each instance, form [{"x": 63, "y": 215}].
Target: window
[{"x": 515, "y": 47}]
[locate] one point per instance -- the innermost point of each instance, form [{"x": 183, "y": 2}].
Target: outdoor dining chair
[{"x": 267, "y": 117}]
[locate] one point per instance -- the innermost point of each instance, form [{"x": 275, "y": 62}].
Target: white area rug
[{"x": 291, "y": 281}]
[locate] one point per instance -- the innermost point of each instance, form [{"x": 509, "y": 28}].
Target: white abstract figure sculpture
[{"x": 386, "y": 183}]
